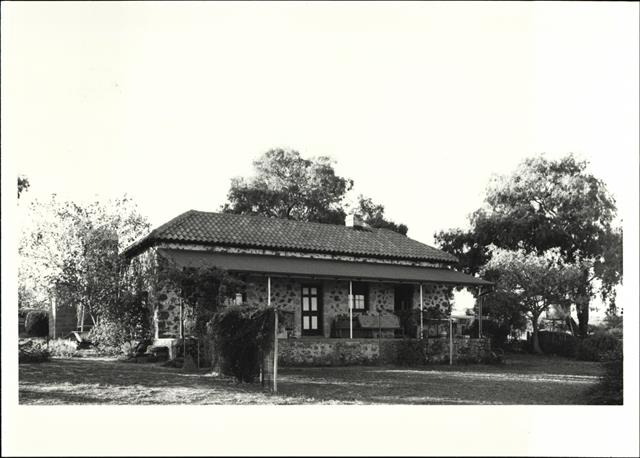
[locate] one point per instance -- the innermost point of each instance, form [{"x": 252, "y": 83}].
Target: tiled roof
[{"x": 196, "y": 227}]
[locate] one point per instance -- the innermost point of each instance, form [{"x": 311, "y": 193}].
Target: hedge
[{"x": 36, "y": 324}]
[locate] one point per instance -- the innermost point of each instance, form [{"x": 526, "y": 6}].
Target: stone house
[{"x": 318, "y": 273}]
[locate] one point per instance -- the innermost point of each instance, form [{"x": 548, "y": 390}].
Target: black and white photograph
[{"x": 320, "y": 228}]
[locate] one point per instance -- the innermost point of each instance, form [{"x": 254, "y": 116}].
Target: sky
[{"x": 418, "y": 102}]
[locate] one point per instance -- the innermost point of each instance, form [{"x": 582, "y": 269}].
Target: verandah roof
[{"x": 306, "y": 267}]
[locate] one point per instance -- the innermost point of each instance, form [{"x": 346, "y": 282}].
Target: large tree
[
  {"x": 548, "y": 204},
  {"x": 74, "y": 246},
  {"x": 530, "y": 283},
  {"x": 373, "y": 214},
  {"x": 286, "y": 185}
]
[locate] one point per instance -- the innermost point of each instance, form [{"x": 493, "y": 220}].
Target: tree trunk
[
  {"x": 582, "y": 309},
  {"x": 535, "y": 338}
]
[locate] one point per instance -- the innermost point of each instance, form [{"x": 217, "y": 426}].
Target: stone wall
[
  {"x": 434, "y": 295},
  {"x": 166, "y": 312},
  {"x": 381, "y": 297},
  {"x": 327, "y": 352},
  {"x": 341, "y": 352},
  {"x": 335, "y": 301}
]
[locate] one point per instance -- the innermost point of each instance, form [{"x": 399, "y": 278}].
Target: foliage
[
  {"x": 63, "y": 348},
  {"x": 613, "y": 323},
  {"x": 496, "y": 331},
  {"x": 469, "y": 247},
  {"x": 32, "y": 351},
  {"x": 431, "y": 313},
  {"x": 204, "y": 289},
  {"x": 73, "y": 249},
  {"x": 546, "y": 204},
  {"x": 373, "y": 215},
  {"x": 36, "y": 323},
  {"x": 504, "y": 311},
  {"x": 242, "y": 335},
  {"x": 286, "y": 185},
  {"x": 23, "y": 185},
  {"x": 532, "y": 282},
  {"x": 601, "y": 346},
  {"x": 27, "y": 299},
  {"x": 110, "y": 337}
]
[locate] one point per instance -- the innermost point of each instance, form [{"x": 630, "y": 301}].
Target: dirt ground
[{"x": 523, "y": 379}]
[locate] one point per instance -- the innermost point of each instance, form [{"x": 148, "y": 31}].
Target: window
[{"x": 360, "y": 296}]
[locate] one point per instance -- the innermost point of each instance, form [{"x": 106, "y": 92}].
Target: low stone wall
[
  {"x": 464, "y": 350},
  {"x": 345, "y": 352},
  {"x": 327, "y": 352}
]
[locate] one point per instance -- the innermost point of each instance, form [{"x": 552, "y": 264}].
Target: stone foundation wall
[
  {"x": 327, "y": 352},
  {"x": 464, "y": 350},
  {"x": 344, "y": 352}
]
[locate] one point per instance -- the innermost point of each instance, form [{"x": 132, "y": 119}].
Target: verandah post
[
  {"x": 481, "y": 299},
  {"x": 275, "y": 337},
  {"x": 350, "y": 309},
  {"x": 450, "y": 341},
  {"x": 421, "y": 319}
]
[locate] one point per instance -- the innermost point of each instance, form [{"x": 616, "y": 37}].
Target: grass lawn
[{"x": 524, "y": 379}]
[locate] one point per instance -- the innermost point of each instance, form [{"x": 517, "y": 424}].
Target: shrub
[
  {"x": 63, "y": 348},
  {"x": 36, "y": 323},
  {"x": 32, "y": 351},
  {"x": 411, "y": 353},
  {"x": 242, "y": 335},
  {"x": 599, "y": 347},
  {"x": 497, "y": 332},
  {"x": 109, "y": 337}
]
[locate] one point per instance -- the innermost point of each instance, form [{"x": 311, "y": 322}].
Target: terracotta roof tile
[{"x": 198, "y": 227}]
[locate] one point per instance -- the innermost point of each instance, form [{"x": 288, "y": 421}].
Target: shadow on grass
[
  {"x": 91, "y": 381},
  {"x": 29, "y": 396}
]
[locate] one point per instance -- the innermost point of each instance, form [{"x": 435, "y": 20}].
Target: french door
[{"x": 311, "y": 310}]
